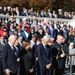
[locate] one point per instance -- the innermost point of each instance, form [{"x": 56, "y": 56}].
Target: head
[
  {"x": 38, "y": 40},
  {"x": 34, "y": 38},
  {"x": 40, "y": 30},
  {"x": 26, "y": 45},
  {"x": 24, "y": 20},
  {"x": 32, "y": 30},
  {"x": 58, "y": 26},
  {"x": 1, "y": 39},
  {"x": 64, "y": 27},
  {"x": 20, "y": 38},
  {"x": 16, "y": 43},
  {"x": 44, "y": 26},
  {"x": 60, "y": 39},
  {"x": 71, "y": 45},
  {"x": 25, "y": 28},
  {"x": 46, "y": 39},
  {"x": 12, "y": 39}
]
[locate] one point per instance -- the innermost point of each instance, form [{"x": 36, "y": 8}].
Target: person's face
[
  {"x": 2, "y": 39},
  {"x": 40, "y": 31},
  {"x": 71, "y": 28},
  {"x": 46, "y": 41},
  {"x": 64, "y": 27},
  {"x": 72, "y": 46},
  {"x": 16, "y": 43},
  {"x": 58, "y": 26},
  {"x": 60, "y": 39},
  {"x": 11, "y": 26},
  {"x": 5, "y": 8},
  {"x": 13, "y": 41},
  {"x": 32, "y": 31},
  {"x": 44, "y": 27},
  {"x": 20, "y": 39}
]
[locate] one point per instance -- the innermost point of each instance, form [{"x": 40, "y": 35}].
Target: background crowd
[
  {"x": 38, "y": 13},
  {"x": 41, "y": 48}
]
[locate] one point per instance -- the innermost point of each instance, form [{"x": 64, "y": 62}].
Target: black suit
[
  {"x": 56, "y": 32},
  {"x": 9, "y": 59},
  {"x": 1, "y": 46},
  {"x": 44, "y": 58},
  {"x": 58, "y": 62},
  {"x": 28, "y": 61}
]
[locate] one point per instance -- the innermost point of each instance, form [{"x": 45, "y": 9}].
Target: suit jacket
[
  {"x": 57, "y": 51},
  {"x": 44, "y": 57},
  {"x": 9, "y": 59},
  {"x": 22, "y": 33},
  {"x": 48, "y": 15},
  {"x": 1, "y": 46},
  {"x": 56, "y": 32},
  {"x": 28, "y": 60}
]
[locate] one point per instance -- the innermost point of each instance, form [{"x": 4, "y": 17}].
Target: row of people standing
[
  {"x": 47, "y": 58},
  {"x": 42, "y": 13}
]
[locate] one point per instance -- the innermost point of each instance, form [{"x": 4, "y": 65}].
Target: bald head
[
  {"x": 12, "y": 39},
  {"x": 60, "y": 39}
]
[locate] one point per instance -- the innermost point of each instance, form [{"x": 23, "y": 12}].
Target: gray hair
[
  {"x": 46, "y": 36},
  {"x": 11, "y": 37}
]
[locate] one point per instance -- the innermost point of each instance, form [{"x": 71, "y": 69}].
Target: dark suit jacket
[
  {"x": 57, "y": 33},
  {"x": 9, "y": 59},
  {"x": 44, "y": 57},
  {"x": 28, "y": 60},
  {"x": 22, "y": 33},
  {"x": 60, "y": 62}
]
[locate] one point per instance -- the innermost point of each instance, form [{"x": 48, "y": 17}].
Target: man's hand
[
  {"x": 31, "y": 70},
  {"x": 62, "y": 55},
  {"x": 48, "y": 66},
  {"x": 7, "y": 71},
  {"x": 18, "y": 59}
]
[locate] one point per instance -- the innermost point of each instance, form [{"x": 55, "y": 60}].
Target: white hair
[
  {"x": 11, "y": 37},
  {"x": 46, "y": 36}
]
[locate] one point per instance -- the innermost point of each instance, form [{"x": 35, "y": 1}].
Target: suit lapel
[
  {"x": 11, "y": 50},
  {"x": 44, "y": 50}
]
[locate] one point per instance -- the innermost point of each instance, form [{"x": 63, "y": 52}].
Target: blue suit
[
  {"x": 22, "y": 33},
  {"x": 44, "y": 58}
]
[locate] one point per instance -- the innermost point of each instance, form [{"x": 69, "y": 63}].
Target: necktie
[
  {"x": 14, "y": 50},
  {"x": 46, "y": 50}
]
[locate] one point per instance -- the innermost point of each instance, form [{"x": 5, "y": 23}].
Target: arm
[
  {"x": 4, "y": 58},
  {"x": 40, "y": 57}
]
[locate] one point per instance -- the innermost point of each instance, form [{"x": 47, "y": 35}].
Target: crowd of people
[
  {"x": 33, "y": 48},
  {"x": 42, "y": 13}
]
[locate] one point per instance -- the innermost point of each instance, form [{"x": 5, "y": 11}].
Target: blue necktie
[{"x": 46, "y": 49}]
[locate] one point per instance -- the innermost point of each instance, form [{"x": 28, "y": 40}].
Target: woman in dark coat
[{"x": 27, "y": 58}]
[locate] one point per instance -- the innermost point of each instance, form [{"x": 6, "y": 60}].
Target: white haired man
[
  {"x": 45, "y": 56},
  {"x": 9, "y": 58}
]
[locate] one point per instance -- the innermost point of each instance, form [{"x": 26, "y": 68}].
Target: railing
[{"x": 61, "y": 21}]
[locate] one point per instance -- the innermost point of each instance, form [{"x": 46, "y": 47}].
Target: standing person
[
  {"x": 9, "y": 58},
  {"x": 58, "y": 56},
  {"x": 44, "y": 56},
  {"x": 27, "y": 59},
  {"x": 72, "y": 52},
  {"x": 1, "y": 46}
]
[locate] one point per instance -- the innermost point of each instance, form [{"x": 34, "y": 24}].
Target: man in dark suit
[
  {"x": 58, "y": 56},
  {"x": 44, "y": 56},
  {"x": 10, "y": 59},
  {"x": 1, "y": 46}
]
